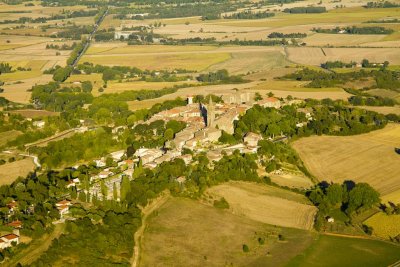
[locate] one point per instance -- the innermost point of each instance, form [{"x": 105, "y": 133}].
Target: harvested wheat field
[
  {"x": 180, "y": 232},
  {"x": 9, "y": 172},
  {"x": 366, "y": 158},
  {"x": 267, "y": 204},
  {"x": 316, "y": 56}
]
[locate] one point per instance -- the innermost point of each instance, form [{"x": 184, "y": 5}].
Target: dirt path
[
  {"x": 148, "y": 210},
  {"x": 349, "y": 236},
  {"x": 35, "y": 249}
]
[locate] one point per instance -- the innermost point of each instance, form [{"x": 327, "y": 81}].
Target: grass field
[
  {"x": 34, "y": 113},
  {"x": 267, "y": 204},
  {"x": 9, "y": 172},
  {"x": 384, "y": 226},
  {"x": 334, "y": 158},
  {"x": 383, "y": 110},
  {"x": 184, "y": 232},
  {"x": 8, "y": 136},
  {"x": 342, "y": 251}
]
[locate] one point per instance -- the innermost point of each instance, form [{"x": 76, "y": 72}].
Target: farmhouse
[
  {"x": 15, "y": 224},
  {"x": 117, "y": 155},
  {"x": 7, "y": 241}
]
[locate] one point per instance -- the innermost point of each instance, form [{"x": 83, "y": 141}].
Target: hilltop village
[{"x": 205, "y": 124}]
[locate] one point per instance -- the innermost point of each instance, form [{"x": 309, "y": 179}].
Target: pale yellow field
[
  {"x": 189, "y": 61},
  {"x": 117, "y": 48},
  {"x": 20, "y": 75},
  {"x": 9, "y": 172},
  {"x": 366, "y": 158},
  {"x": 242, "y": 62},
  {"x": 384, "y": 226},
  {"x": 345, "y": 15},
  {"x": 315, "y": 56},
  {"x": 383, "y": 110},
  {"x": 18, "y": 92},
  {"x": 321, "y": 39},
  {"x": 293, "y": 86},
  {"x": 116, "y": 87},
  {"x": 267, "y": 204}
]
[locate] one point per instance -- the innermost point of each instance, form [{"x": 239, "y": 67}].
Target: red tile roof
[
  {"x": 15, "y": 224},
  {"x": 10, "y": 236}
]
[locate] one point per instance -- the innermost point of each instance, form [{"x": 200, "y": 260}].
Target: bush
[
  {"x": 221, "y": 204},
  {"x": 245, "y": 248}
]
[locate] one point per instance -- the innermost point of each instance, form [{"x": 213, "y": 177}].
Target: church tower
[{"x": 210, "y": 114}]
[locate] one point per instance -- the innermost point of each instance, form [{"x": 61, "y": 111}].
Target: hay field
[
  {"x": 18, "y": 92},
  {"x": 332, "y": 251},
  {"x": 242, "y": 63},
  {"x": 9, "y": 172},
  {"x": 122, "y": 48},
  {"x": 267, "y": 204},
  {"x": 321, "y": 39},
  {"x": 383, "y": 110},
  {"x": 191, "y": 61},
  {"x": 343, "y": 15},
  {"x": 384, "y": 226},
  {"x": 366, "y": 158},
  {"x": 181, "y": 231},
  {"x": 117, "y": 87},
  {"x": 316, "y": 56}
]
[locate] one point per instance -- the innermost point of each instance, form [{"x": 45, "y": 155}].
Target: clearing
[{"x": 340, "y": 158}]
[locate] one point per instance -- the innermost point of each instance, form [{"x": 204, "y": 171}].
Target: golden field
[{"x": 339, "y": 158}]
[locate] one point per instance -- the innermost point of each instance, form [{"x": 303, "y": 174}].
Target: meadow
[
  {"x": 181, "y": 231},
  {"x": 340, "y": 158},
  {"x": 344, "y": 251}
]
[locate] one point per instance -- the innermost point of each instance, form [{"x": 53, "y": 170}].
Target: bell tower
[{"x": 210, "y": 114}]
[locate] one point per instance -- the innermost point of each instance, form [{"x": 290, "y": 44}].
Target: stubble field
[
  {"x": 366, "y": 158},
  {"x": 267, "y": 204}
]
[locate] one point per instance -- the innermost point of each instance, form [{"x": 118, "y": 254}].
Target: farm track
[{"x": 147, "y": 211}]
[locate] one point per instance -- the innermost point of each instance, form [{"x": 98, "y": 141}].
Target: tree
[
  {"x": 257, "y": 97},
  {"x": 115, "y": 192},
  {"x": 169, "y": 134},
  {"x": 87, "y": 86},
  {"x": 125, "y": 187},
  {"x": 104, "y": 190}
]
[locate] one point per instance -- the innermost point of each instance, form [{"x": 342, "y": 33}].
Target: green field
[{"x": 343, "y": 251}]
